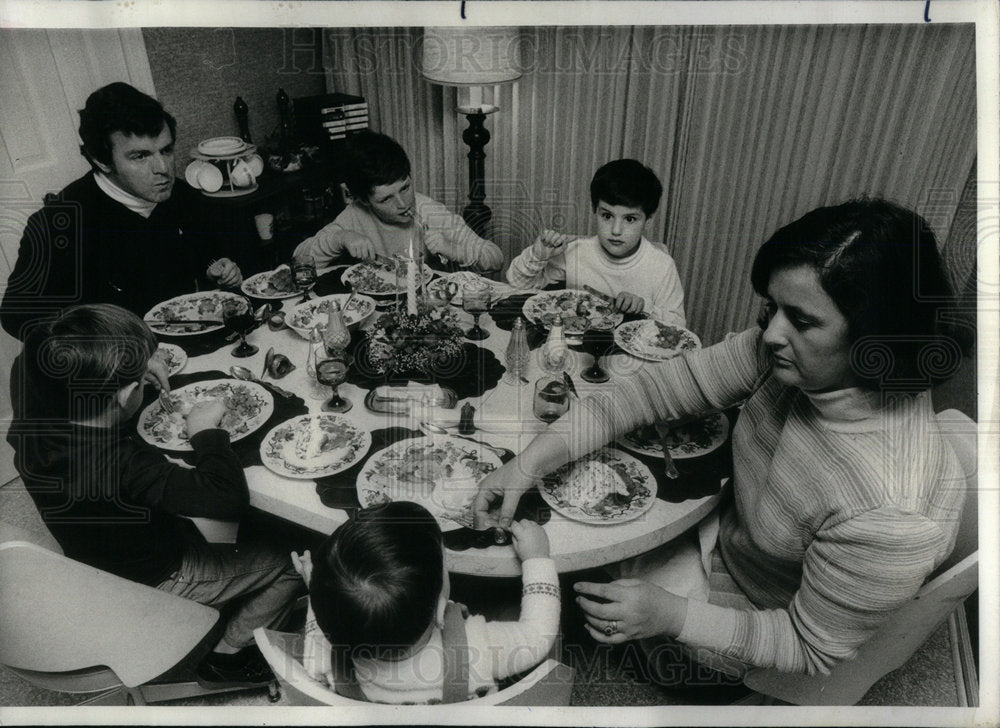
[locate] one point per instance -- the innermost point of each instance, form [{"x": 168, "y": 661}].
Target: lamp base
[{"x": 476, "y": 214}]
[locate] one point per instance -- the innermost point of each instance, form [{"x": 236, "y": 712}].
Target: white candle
[{"x": 411, "y": 281}]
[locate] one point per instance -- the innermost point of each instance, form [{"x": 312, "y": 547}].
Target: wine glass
[
  {"x": 596, "y": 342},
  {"x": 551, "y": 398},
  {"x": 304, "y": 274},
  {"x": 332, "y": 371},
  {"x": 237, "y": 317},
  {"x": 476, "y": 300}
]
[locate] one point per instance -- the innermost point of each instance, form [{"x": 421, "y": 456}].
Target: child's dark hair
[
  {"x": 119, "y": 107},
  {"x": 626, "y": 182},
  {"x": 371, "y": 160},
  {"x": 376, "y": 581},
  {"x": 880, "y": 265},
  {"x": 85, "y": 355}
]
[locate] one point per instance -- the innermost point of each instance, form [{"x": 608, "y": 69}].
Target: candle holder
[{"x": 409, "y": 284}]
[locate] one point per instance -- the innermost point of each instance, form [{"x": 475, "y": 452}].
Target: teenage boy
[
  {"x": 117, "y": 505},
  {"x": 385, "y": 212},
  {"x": 127, "y": 232},
  {"x": 619, "y": 261}
]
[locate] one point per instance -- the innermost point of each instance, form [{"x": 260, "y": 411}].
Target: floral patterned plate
[
  {"x": 206, "y": 305},
  {"x": 690, "y": 440},
  {"x": 307, "y": 315},
  {"x": 579, "y": 310},
  {"x": 271, "y": 285},
  {"x": 655, "y": 341},
  {"x": 460, "y": 278},
  {"x": 377, "y": 278},
  {"x": 440, "y": 472},
  {"x": 173, "y": 356},
  {"x": 248, "y": 405},
  {"x": 604, "y": 487},
  {"x": 314, "y": 446}
]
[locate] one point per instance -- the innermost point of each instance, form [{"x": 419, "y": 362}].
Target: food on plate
[
  {"x": 242, "y": 405},
  {"x": 592, "y": 482},
  {"x": 671, "y": 337},
  {"x": 578, "y": 310},
  {"x": 321, "y": 441},
  {"x": 377, "y": 277}
]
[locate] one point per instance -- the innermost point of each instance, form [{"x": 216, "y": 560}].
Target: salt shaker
[
  {"x": 517, "y": 351},
  {"x": 465, "y": 425}
]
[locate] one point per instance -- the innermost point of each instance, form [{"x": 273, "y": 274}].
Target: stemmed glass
[
  {"x": 331, "y": 370},
  {"x": 476, "y": 300},
  {"x": 304, "y": 274},
  {"x": 237, "y": 317},
  {"x": 596, "y": 342}
]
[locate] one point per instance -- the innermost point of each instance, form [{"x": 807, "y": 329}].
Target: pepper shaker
[{"x": 465, "y": 425}]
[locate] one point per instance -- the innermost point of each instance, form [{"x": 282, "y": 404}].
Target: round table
[{"x": 507, "y": 409}]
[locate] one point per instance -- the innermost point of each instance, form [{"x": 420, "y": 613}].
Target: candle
[{"x": 411, "y": 281}]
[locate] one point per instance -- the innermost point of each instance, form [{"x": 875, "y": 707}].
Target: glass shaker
[
  {"x": 555, "y": 351},
  {"x": 517, "y": 352}
]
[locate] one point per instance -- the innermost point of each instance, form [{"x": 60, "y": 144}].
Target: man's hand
[
  {"x": 205, "y": 416},
  {"x": 629, "y": 303},
  {"x": 550, "y": 244},
  {"x": 360, "y": 246},
  {"x": 225, "y": 273}
]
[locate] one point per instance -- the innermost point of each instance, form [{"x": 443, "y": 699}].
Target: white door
[{"x": 45, "y": 78}]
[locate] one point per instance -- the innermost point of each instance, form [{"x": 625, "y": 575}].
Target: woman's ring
[{"x": 611, "y": 628}]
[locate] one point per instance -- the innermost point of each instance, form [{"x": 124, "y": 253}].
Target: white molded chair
[
  {"x": 940, "y": 598},
  {"x": 69, "y": 627},
  {"x": 548, "y": 684}
]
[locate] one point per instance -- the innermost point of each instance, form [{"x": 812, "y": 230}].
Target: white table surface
[{"x": 574, "y": 545}]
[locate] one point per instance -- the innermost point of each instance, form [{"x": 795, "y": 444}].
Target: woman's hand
[
  {"x": 505, "y": 486},
  {"x": 633, "y": 609},
  {"x": 225, "y": 273}
]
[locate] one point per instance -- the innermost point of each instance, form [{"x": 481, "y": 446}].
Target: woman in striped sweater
[{"x": 845, "y": 495}]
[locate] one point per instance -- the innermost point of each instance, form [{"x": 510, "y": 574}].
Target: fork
[{"x": 165, "y": 402}]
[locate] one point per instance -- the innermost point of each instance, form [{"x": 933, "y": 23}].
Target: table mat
[
  {"x": 247, "y": 449},
  {"x": 340, "y": 491},
  {"x": 506, "y": 310},
  {"x": 202, "y": 343}
]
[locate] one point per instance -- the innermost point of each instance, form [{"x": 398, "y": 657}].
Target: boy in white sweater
[{"x": 619, "y": 261}]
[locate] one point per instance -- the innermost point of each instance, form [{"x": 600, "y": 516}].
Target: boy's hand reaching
[
  {"x": 360, "y": 246},
  {"x": 529, "y": 540},
  {"x": 205, "y": 416},
  {"x": 550, "y": 244},
  {"x": 629, "y": 303}
]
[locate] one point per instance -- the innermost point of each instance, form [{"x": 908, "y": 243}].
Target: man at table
[
  {"x": 386, "y": 212},
  {"x": 126, "y": 232}
]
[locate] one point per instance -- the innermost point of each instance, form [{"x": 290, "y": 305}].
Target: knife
[
  {"x": 663, "y": 430},
  {"x": 201, "y": 322},
  {"x": 569, "y": 384}
]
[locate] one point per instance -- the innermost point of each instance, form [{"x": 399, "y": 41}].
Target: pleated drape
[{"x": 747, "y": 128}]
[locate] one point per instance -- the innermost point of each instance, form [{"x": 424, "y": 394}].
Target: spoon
[
  {"x": 247, "y": 376},
  {"x": 430, "y": 428}
]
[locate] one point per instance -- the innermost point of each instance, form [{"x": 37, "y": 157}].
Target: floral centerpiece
[{"x": 400, "y": 342}]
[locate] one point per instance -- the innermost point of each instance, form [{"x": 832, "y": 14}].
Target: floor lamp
[{"x": 471, "y": 58}]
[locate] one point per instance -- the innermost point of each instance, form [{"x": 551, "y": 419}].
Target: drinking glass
[
  {"x": 304, "y": 274},
  {"x": 237, "y": 317},
  {"x": 332, "y": 371},
  {"x": 551, "y": 398},
  {"x": 476, "y": 300},
  {"x": 596, "y": 342}
]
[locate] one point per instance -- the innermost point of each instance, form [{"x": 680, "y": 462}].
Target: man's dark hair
[
  {"x": 119, "y": 107},
  {"x": 371, "y": 160},
  {"x": 626, "y": 182}
]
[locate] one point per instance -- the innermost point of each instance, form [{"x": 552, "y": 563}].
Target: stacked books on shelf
[{"x": 330, "y": 116}]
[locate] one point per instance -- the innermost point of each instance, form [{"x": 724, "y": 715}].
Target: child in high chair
[
  {"x": 619, "y": 261},
  {"x": 379, "y": 591}
]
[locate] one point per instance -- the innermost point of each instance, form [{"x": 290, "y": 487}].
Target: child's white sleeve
[
  {"x": 513, "y": 647},
  {"x": 667, "y": 304},
  {"x": 527, "y": 270}
]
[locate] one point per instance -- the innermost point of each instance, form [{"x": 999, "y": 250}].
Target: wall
[{"x": 199, "y": 72}]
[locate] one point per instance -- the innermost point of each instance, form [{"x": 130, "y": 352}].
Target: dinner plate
[
  {"x": 200, "y": 306},
  {"x": 272, "y": 285},
  {"x": 586, "y": 490},
  {"x": 222, "y": 146},
  {"x": 314, "y": 446},
  {"x": 174, "y": 357},
  {"x": 315, "y": 312},
  {"x": 377, "y": 278},
  {"x": 460, "y": 278},
  {"x": 439, "y": 472},
  {"x": 653, "y": 340},
  {"x": 689, "y": 440},
  {"x": 248, "y": 405},
  {"x": 542, "y": 308}
]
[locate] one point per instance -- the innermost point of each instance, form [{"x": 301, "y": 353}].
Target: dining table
[{"x": 503, "y": 418}]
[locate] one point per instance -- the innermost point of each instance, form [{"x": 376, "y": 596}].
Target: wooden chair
[
  {"x": 72, "y": 628},
  {"x": 940, "y": 598},
  {"x": 549, "y": 684}
]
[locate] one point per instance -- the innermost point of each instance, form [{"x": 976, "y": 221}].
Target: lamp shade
[{"x": 470, "y": 56}]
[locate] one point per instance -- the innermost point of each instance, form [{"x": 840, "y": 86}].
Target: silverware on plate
[{"x": 663, "y": 430}]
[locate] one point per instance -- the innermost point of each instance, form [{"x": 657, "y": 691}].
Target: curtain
[{"x": 747, "y": 128}]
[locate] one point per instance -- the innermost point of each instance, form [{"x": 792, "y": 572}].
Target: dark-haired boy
[
  {"x": 619, "y": 260},
  {"x": 114, "y": 504},
  {"x": 386, "y": 211},
  {"x": 125, "y": 233}
]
